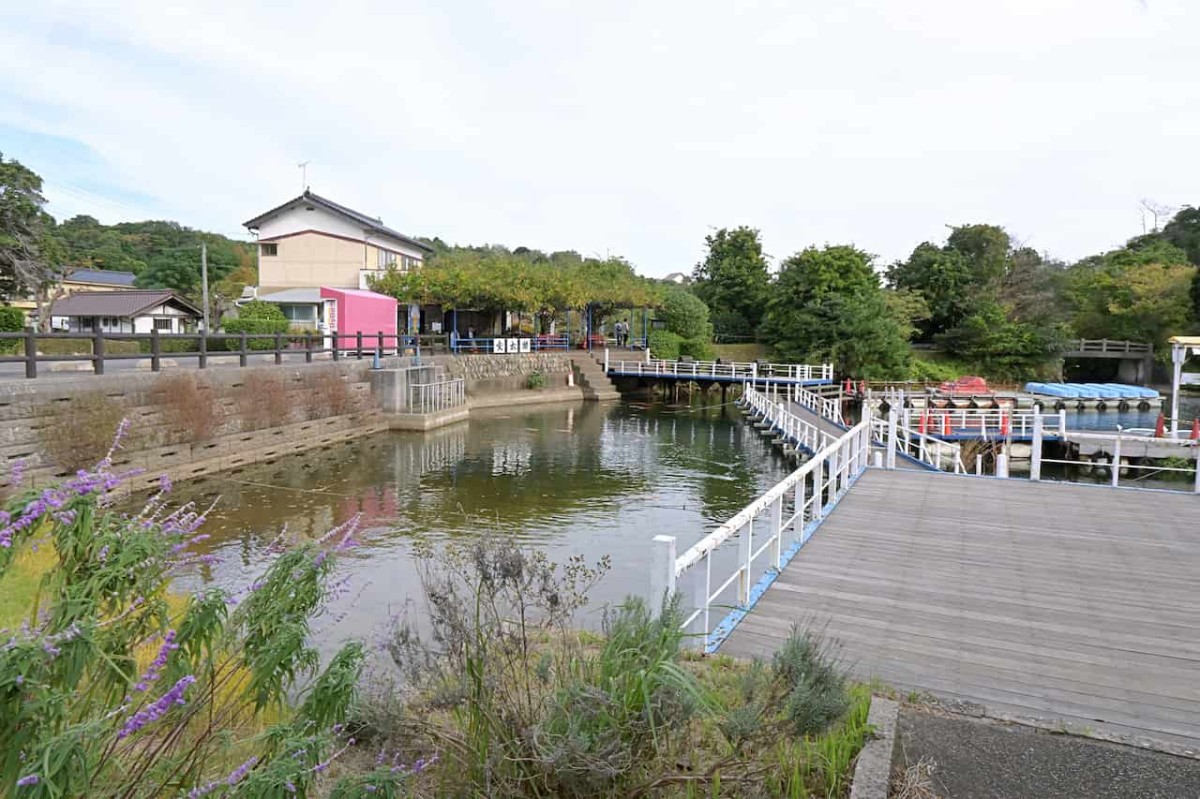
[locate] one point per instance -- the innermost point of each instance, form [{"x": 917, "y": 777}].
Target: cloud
[{"x": 621, "y": 127}]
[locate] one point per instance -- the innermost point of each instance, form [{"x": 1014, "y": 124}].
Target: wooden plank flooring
[{"x": 1036, "y": 600}]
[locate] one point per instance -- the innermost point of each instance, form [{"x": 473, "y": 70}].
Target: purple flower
[
  {"x": 196, "y": 793},
  {"x": 28, "y": 779},
  {"x": 239, "y": 773},
  {"x": 160, "y": 660},
  {"x": 158, "y": 708}
]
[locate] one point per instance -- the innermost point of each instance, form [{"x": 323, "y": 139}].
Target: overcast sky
[{"x": 630, "y": 128}]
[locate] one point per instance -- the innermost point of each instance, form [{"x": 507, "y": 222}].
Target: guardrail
[
  {"x": 985, "y": 423},
  {"x": 786, "y": 514},
  {"x": 828, "y": 408},
  {"x": 158, "y": 346},
  {"x": 731, "y": 371},
  {"x": 945, "y": 456},
  {"x": 1185, "y": 447},
  {"x": 502, "y": 345},
  {"x": 439, "y": 396},
  {"x": 1110, "y": 345},
  {"x": 805, "y": 434}
]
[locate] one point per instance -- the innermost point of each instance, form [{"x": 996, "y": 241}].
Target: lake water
[{"x": 583, "y": 479}]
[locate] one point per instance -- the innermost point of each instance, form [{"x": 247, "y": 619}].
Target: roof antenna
[{"x": 303, "y": 165}]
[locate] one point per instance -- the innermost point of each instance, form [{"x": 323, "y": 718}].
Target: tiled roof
[
  {"x": 106, "y": 277},
  {"x": 116, "y": 303},
  {"x": 367, "y": 222}
]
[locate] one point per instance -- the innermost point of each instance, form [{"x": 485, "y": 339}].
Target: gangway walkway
[{"x": 1039, "y": 600}]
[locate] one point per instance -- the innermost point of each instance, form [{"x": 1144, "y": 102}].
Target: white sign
[
  {"x": 498, "y": 347},
  {"x": 513, "y": 345},
  {"x": 526, "y": 345}
]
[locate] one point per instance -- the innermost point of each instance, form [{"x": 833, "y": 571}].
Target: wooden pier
[{"x": 1041, "y": 601}]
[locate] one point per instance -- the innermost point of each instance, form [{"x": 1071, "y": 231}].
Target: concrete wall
[
  {"x": 25, "y": 408},
  {"x": 491, "y": 374}
]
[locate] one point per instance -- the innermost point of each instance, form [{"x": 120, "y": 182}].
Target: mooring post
[
  {"x": 1002, "y": 464},
  {"x": 662, "y": 577},
  {"x": 978, "y": 464},
  {"x": 606, "y": 366},
  {"x": 1035, "y": 454}
]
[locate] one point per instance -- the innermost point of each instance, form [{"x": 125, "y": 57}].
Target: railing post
[
  {"x": 358, "y": 343},
  {"x": 745, "y": 550},
  {"x": 891, "y": 439},
  {"x": 798, "y": 521},
  {"x": 777, "y": 524},
  {"x": 98, "y": 352},
  {"x": 662, "y": 575},
  {"x": 818, "y": 473},
  {"x": 1035, "y": 454},
  {"x": 606, "y": 367},
  {"x": 1116, "y": 459},
  {"x": 379, "y": 343},
  {"x": 333, "y": 347},
  {"x": 308, "y": 341},
  {"x": 155, "y": 351},
  {"x": 1196, "y": 487},
  {"x": 242, "y": 349},
  {"x": 202, "y": 359},
  {"x": 278, "y": 349},
  {"x": 30, "y": 353}
]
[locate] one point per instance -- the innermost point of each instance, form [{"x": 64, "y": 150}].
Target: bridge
[
  {"x": 1053, "y": 602},
  {"x": 719, "y": 372},
  {"x": 1137, "y": 355}
]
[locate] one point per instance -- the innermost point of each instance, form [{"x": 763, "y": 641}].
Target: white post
[
  {"x": 1116, "y": 459},
  {"x": 1035, "y": 456},
  {"x": 777, "y": 525},
  {"x": 818, "y": 493},
  {"x": 878, "y": 460},
  {"x": 1196, "y": 488},
  {"x": 978, "y": 464},
  {"x": 662, "y": 575},
  {"x": 891, "y": 439},
  {"x": 1178, "y": 356},
  {"x": 745, "y": 550},
  {"x": 1062, "y": 424},
  {"x": 1002, "y": 464},
  {"x": 798, "y": 521},
  {"x": 606, "y": 368}
]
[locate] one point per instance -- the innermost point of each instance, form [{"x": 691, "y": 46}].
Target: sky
[{"x": 616, "y": 128}]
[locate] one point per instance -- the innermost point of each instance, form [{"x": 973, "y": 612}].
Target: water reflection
[{"x": 582, "y": 479}]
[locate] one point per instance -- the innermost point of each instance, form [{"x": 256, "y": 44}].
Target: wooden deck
[{"x": 1036, "y": 600}]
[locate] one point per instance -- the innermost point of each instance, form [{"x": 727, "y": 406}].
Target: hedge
[
  {"x": 12, "y": 320},
  {"x": 665, "y": 345},
  {"x": 254, "y": 326}
]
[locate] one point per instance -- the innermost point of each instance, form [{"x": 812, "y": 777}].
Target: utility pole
[
  {"x": 204, "y": 282},
  {"x": 303, "y": 175}
]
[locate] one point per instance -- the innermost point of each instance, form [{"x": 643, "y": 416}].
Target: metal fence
[
  {"x": 730, "y": 371},
  {"x": 773, "y": 527},
  {"x": 439, "y": 396},
  {"x": 25, "y": 348}
]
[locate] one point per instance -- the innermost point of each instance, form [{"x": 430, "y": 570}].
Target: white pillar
[
  {"x": 1196, "y": 488},
  {"x": 606, "y": 360},
  {"x": 1178, "y": 356},
  {"x": 777, "y": 531},
  {"x": 1116, "y": 459},
  {"x": 745, "y": 550},
  {"x": 1002, "y": 464},
  {"x": 891, "y": 439},
  {"x": 1035, "y": 457},
  {"x": 662, "y": 574}
]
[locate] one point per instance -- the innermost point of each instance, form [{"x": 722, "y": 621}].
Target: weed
[
  {"x": 326, "y": 393},
  {"x": 816, "y": 687},
  {"x": 262, "y": 400},
  {"x": 535, "y": 380},
  {"x": 189, "y": 407},
  {"x": 916, "y": 781},
  {"x": 77, "y": 433}
]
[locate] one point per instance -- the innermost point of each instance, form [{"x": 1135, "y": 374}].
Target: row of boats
[{"x": 1092, "y": 391}]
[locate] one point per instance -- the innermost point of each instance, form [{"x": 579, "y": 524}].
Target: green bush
[
  {"x": 697, "y": 348},
  {"x": 665, "y": 344},
  {"x": 83, "y": 346},
  {"x": 12, "y": 320},
  {"x": 252, "y": 327},
  {"x": 257, "y": 309},
  {"x": 686, "y": 315},
  {"x": 535, "y": 380},
  {"x": 172, "y": 345}
]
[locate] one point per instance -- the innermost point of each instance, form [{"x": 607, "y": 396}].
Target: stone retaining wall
[
  {"x": 320, "y": 404},
  {"x": 492, "y": 374}
]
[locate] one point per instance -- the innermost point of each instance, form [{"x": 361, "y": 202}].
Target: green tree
[
  {"x": 1184, "y": 232},
  {"x": 733, "y": 280},
  {"x": 827, "y": 305},
  {"x": 943, "y": 278},
  {"x": 685, "y": 315},
  {"x": 22, "y": 227}
]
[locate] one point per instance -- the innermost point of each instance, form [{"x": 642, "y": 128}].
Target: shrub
[
  {"x": 815, "y": 687},
  {"x": 171, "y": 344},
  {"x": 535, "y": 380},
  {"x": 255, "y": 318},
  {"x": 112, "y": 686},
  {"x": 697, "y": 348},
  {"x": 665, "y": 345},
  {"x": 262, "y": 401},
  {"x": 686, "y": 314},
  {"x": 12, "y": 320},
  {"x": 78, "y": 432},
  {"x": 189, "y": 406},
  {"x": 326, "y": 393}
]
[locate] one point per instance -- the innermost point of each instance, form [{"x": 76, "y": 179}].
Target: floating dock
[{"x": 1100, "y": 396}]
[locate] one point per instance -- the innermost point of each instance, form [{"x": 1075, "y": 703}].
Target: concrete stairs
[{"x": 591, "y": 378}]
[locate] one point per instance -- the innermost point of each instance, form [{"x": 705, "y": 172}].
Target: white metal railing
[
  {"x": 801, "y": 432},
  {"x": 1179, "y": 447},
  {"x": 439, "y": 396},
  {"x": 731, "y": 371},
  {"x": 828, "y": 408},
  {"x": 896, "y": 439},
  {"x": 985, "y": 423},
  {"x": 786, "y": 513}
]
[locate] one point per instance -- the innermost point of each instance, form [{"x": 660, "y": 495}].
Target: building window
[
  {"x": 410, "y": 262},
  {"x": 162, "y": 325},
  {"x": 300, "y": 314},
  {"x": 268, "y": 249},
  {"x": 386, "y": 259}
]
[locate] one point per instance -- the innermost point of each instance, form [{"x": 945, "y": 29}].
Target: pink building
[{"x": 353, "y": 310}]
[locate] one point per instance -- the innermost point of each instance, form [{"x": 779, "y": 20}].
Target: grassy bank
[{"x": 743, "y": 353}]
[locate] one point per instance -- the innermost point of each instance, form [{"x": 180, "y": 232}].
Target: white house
[{"x": 124, "y": 312}]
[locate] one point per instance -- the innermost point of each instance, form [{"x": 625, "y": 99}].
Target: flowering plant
[{"x": 114, "y": 686}]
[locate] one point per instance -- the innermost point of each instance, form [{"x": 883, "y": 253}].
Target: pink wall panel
[{"x": 363, "y": 311}]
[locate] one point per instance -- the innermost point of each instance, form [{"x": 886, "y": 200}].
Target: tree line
[{"x": 980, "y": 298}]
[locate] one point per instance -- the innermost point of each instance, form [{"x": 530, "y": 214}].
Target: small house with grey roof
[{"x": 132, "y": 311}]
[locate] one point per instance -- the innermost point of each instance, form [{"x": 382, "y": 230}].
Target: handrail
[
  {"x": 985, "y": 423},
  {"x": 790, "y": 509},
  {"x": 930, "y": 450},
  {"x": 802, "y": 432},
  {"x": 726, "y": 370},
  {"x": 1110, "y": 345},
  {"x": 825, "y": 407},
  {"x": 438, "y": 396}
]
